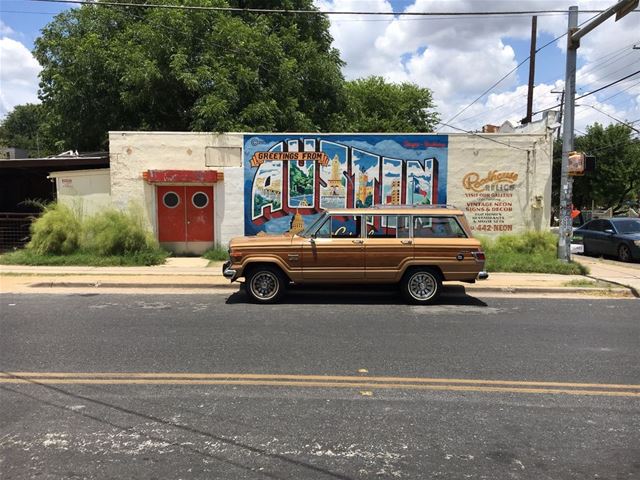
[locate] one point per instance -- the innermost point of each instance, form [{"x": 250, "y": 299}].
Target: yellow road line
[
  {"x": 323, "y": 384},
  {"x": 322, "y": 378}
]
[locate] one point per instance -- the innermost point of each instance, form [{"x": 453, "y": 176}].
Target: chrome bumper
[
  {"x": 483, "y": 275},
  {"x": 229, "y": 273}
]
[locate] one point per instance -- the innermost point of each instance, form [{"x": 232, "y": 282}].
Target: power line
[
  {"x": 595, "y": 91},
  {"x": 509, "y": 73},
  {"x": 611, "y": 117},
  {"x": 484, "y": 137},
  {"x": 589, "y": 68},
  {"x": 314, "y": 12}
]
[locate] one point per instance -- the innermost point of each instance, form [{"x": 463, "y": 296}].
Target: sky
[{"x": 458, "y": 58}]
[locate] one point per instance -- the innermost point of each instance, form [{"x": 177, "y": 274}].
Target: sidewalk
[
  {"x": 625, "y": 274},
  {"x": 197, "y": 275}
]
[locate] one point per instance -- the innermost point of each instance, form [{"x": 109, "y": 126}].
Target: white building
[{"x": 199, "y": 189}]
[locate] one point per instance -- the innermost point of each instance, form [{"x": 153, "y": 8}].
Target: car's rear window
[
  {"x": 628, "y": 226},
  {"x": 437, "y": 227}
]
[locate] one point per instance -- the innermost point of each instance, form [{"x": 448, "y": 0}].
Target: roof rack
[{"x": 439, "y": 205}]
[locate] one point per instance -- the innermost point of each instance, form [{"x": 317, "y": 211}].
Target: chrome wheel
[
  {"x": 422, "y": 286},
  {"x": 264, "y": 285},
  {"x": 624, "y": 254}
]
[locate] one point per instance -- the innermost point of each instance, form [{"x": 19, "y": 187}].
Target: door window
[
  {"x": 346, "y": 226},
  {"x": 171, "y": 200},
  {"x": 387, "y": 226},
  {"x": 200, "y": 199}
]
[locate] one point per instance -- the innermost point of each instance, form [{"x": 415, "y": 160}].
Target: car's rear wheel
[
  {"x": 624, "y": 253},
  {"x": 422, "y": 286},
  {"x": 265, "y": 284}
]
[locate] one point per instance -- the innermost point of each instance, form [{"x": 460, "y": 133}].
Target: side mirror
[{"x": 609, "y": 231}]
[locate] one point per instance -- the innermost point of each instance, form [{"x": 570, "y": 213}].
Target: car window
[
  {"x": 597, "y": 225},
  {"x": 346, "y": 226},
  {"x": 628, "y": 226},
  {"x": 437, "y": 227},
  {"x": 325, "y": 230},
  {"x": 387, "y": 226}
]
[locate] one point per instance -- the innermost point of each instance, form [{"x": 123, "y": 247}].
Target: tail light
[{"x": 479, "y": 256}]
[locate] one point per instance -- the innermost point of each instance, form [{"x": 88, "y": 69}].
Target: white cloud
[
  {"x": 458, "y": 58},
  {"x": 5, "y": 29},
  {"x": 18, "y": 75}
]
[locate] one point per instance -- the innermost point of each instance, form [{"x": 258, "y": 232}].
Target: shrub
[
  {"x": 531, "y": 252},
  {"x": 113, "y": 232},
  {"x": 56, "y": 231},
  {"x": 217, "y": 253}
]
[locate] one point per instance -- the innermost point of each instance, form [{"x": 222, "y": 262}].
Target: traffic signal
[{"x": 579, "y": 164}]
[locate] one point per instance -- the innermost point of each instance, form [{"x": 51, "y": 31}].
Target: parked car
[
  {"x": 416, "y": 247},
  {"x": 618, "y": 237}
]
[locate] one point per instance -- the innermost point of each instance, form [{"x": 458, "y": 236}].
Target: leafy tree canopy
[
  {"x": 137, "y": 68},
  {"x": 26, "y": 127},
  {"x": 617, "y": 176},
  {"x": 129, "y": 68},
  {"x": 374, "y": 105}
]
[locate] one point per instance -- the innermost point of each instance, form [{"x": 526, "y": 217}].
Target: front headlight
[{"x": 637, "y": 243}]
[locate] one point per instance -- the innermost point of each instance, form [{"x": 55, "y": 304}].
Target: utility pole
[
  {"x": 532, "y": 70},
  {"x": 561, "y": 92},
  {"x": 574, "y": 35},
  {"x": 566, "y": 183}
]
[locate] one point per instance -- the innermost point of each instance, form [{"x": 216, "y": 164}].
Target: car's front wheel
[
  {"x": 265, "y": 284},
  {"x": 624, "y": 253},
  {"x": 421, "y": 286}
]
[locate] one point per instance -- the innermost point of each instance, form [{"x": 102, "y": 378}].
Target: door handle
[
  {"x": 406, "y": 242},
  {"x": 358, "y": 241}
]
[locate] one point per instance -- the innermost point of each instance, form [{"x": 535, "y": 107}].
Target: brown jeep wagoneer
[{"x": 415, "y": 246}]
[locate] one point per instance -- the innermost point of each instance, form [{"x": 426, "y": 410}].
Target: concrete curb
[
  {"x": 633, "y": 290},
  {"x": 129, "y": 285},
  {"x": 623, "y": 291},
  {"x": 617, "y": 292}
]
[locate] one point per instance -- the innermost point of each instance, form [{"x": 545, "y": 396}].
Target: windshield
[
  {"x": 307, "y": 232},
  {"x": 628, "y": 226}
]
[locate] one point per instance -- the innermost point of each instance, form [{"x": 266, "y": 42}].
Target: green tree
[
  {"x": 26, "y": 127},
  {"x": 129, "y": 68},
  {"x": 374, "y": 105},
  {"x": 617, "y": 176}
]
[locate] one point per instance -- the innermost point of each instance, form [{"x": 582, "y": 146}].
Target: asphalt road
[{"x": 330, "y": 385}]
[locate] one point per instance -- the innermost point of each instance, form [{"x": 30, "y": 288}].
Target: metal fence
[{"x": 14, "y": 230}]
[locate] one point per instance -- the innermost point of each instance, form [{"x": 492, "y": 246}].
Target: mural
[{"x": 290, "y": 179}]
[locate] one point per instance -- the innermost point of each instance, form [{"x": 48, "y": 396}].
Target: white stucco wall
[
  {"x": 508, "y": 187},
  {"x": 495, "y": 200},
  {"x": 133, "y": 153},
  {"x": 85, "y": 191}
]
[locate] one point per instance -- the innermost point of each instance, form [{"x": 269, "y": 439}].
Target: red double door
[{"x": 185, "y": 213}]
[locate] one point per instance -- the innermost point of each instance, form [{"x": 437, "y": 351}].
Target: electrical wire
[
  {"x": 617, "y": 53},
  {"x": 484, "y": 137},
  {"x": 313, "y": 12},
  {"x": 513, "y": 70},
  {"x": 594, "y": 91}
]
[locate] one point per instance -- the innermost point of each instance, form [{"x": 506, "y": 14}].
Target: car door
[
  {"x": 599, "y": 239},
  {"x": 388, "y": 246},
  {"x": 335, "y": 253},
  {"x": 609, "y": 239}
]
